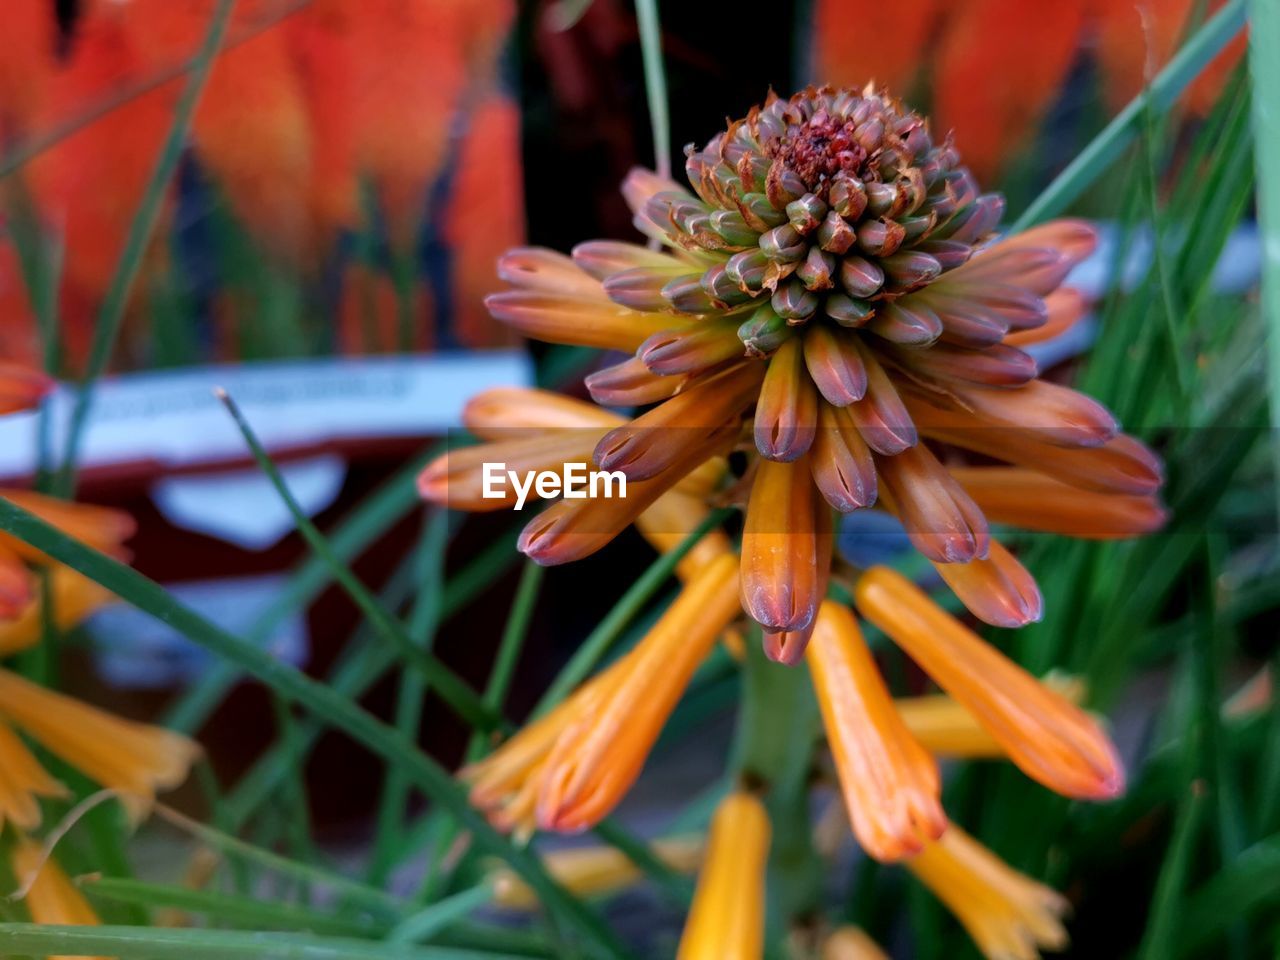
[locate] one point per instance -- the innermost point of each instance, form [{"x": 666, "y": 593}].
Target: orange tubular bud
[
  {"x": 1005, "y": 912},
  {"x": 946, "y": 729},
  {"x": 850, "y": 943},
  {"x": 842, "y": 465},
  {"x": 1057, "y": 415},
  {"x": 1049, "y": 738},
  {"x": 1033, "y": 501},
  {"x": 598, "y": 755},
  {"x": 673, "y": 431},
  {"x": 941, "y": 519},
  {"x": 604, "y": 258},
  {"x": 890, "y": 784},
  {"x": 1121, "y": 465},
  {"x": 787, "y": 410},
  {"x": 881, "y": 416},
  {"x": 504, "y": 413},
  {"x": 503, "y": 783},
  {"x": 562, "y": 318},
  {"x": 997, "y": 590},
  {"x": 457, "y": 479},
  {"x": 726, "y": 919},
  {"x": 1066, "y": 307},
  {"x": 835, "y": 366},
  {"x": 631, "y": 384},
  {"x": 783, "y": 576},
  {"x": 573, "y": 529},
  {"x": 536, "y": 268}
]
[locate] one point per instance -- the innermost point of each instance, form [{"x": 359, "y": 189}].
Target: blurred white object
[
  {"x": 164, "y": 419},
  {"x": 242, "y": 507}
]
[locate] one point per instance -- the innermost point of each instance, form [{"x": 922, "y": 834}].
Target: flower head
[{"x": 833, "y": 288}]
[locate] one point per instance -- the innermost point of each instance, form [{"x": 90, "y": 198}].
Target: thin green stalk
[
  {"x": 451, "y": 688},
  {"x": 1264, "y": 63},
  {"x": 423, "y": 620},
  {"x": 325, "y": 703},
  {"x": 429, "y": 921},
  {"x": 513, "y": 635},
  {"x": 610, "y": 628},
  {"x": 655, "y": 83},
  {"x": 141, "y": 228},
  {"x": 353, "y": 678},
  {"x": 354, "y": 892},
  {"x": 372, "y": 518},
  {"x": 1096, "y": 159},
  {"x": 246, "y": 912},
  {"x": 148, "y": 943}
]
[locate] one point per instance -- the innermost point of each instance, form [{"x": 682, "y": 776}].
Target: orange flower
[
  {"x": 568, "y": 769},
  {"x": 133, "y": 758},
  {"x": 1007, "y": 914},
  {"x": 51, "y": 896},
  {"x": 890, "y": 784},
  {"x": 1048, "y": 737},
  {"x": 726, "y": 919},
  {"x": 946, "y": 729}
]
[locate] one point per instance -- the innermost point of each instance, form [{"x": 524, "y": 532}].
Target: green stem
[
  {"x": 1264, "y": 63},
  {"x": 655, "y": 83},
  {"x": 328, "y": 705},
  {"x": 147, "y": 943},
  {"x": 452, "y": 689}
]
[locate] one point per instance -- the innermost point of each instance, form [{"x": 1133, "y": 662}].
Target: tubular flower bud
[
  {"x": 727, "y": 915},
  {"x": 1007, "y": 914},
  {"x": 890, "y": 784},
  {"x": 568, "y": 770},
  {"x": 1049, "y": 738}
]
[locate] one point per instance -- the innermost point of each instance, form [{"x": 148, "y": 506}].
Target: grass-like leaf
[{"x": 321, "y": 701}]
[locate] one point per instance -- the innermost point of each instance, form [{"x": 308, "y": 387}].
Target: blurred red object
[
  {"x": 994, "y": 67},
  {"x": 304, "y": 103}
]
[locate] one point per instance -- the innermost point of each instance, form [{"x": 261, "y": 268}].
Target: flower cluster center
[{"x": 821, "y": 147}]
